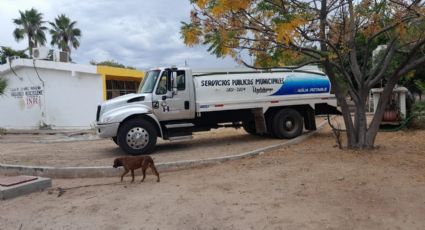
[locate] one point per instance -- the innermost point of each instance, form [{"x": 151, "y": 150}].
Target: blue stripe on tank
[{"x": 304, "y": 84}]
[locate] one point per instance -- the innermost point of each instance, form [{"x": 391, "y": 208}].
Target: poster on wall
[{"x": 29, "y": 96}]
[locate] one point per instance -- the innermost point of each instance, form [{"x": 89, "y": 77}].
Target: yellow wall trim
[
  {"x": 120, "y": 78},
  {"x": 104, "y": 86},
  {"x": 114, "y": 71}
]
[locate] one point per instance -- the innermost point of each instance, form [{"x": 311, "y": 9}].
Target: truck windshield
[{"x": 149, "y": 81}]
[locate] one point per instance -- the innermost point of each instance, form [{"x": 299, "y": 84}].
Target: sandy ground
[
  {"x": 312, "y": 185},
  {"x": 21, "y": 149}
]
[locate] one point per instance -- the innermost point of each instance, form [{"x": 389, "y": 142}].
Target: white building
[{"x": 57, "y": 95}]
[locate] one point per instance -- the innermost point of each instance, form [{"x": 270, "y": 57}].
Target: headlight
[{"x": 105, "y": 119}]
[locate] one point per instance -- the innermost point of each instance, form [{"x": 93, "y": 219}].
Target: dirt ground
[
  {"x": 312, "y": 185},
  {"x": 51, "y": 151}
]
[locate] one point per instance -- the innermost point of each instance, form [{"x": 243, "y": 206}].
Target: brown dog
[{"x": 132, "y": 163}]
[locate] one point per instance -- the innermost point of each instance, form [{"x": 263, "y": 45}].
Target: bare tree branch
[
  {"x": 279, "y": 67},
  {"x": 380, "y": 69}
]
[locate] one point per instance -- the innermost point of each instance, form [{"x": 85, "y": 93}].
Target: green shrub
[
  {"x": 418, "y": 107},
  {"x": 418, "y": 111}
]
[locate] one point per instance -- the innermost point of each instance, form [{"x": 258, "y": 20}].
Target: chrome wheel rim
[
  {"x": 289, "y": 125},
  {"x": 137, "y": 138}
]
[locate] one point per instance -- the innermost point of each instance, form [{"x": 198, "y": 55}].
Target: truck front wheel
[
  {"x": 137, "y": 137},
  {"x": 114, "y": 139},
  {"x": 287, "y": 123}
]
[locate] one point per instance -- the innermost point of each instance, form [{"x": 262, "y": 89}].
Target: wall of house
[{"x": 66, "y": 99}]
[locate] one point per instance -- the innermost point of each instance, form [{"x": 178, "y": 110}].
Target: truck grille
[{"x": 98, "y": 113}]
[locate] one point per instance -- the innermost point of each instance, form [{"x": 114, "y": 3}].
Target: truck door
[{"x": 173, "y": 107}]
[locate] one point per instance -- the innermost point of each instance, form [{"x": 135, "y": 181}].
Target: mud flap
[
  {"x": 260, "y": 121},
  {"x": 310, "y": 120}
]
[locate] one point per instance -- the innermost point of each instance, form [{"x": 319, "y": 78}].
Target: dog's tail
[{"x": 152, "y": 166}]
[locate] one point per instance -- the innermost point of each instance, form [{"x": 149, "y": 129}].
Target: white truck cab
[{"x": 172, "y": 103}]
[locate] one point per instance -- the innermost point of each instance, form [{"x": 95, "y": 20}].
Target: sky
[{"x": 138, "y": 33}]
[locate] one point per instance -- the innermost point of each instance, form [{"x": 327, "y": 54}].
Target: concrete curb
[
  {"x": 58, "y": 140},
  {"x": 68, "y": 132},
  {"x": 52, "y": 137},
  {"x": 24, "y": 188},
  {"x": 108, "y": 171}
]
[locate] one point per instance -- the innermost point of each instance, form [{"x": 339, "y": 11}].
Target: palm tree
[
  {"x": 6, "y": 52},
  {"x": 30, "y": 24},
  {"x": 64, "y": 35}
]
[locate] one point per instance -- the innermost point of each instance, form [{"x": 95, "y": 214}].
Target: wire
[
  {"x": 35, "y": 68},
  {"x": 333, "y": 127},
  {"x": 61, "y": 190},
  {"x": 13, "y": 71},
  {"x": 44, "y": 108},
  {"x": 403, "y": 124}
]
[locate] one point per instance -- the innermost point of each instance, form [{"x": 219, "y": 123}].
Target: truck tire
[
  {"x": 114, "y": 139},
  {"x": 137, "y": 137},
  {"x": 287, "y": 123},
  {"x": 249, "y": 127}
]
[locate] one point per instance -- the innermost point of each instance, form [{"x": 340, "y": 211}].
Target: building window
[{"x": 115, "y": 88}]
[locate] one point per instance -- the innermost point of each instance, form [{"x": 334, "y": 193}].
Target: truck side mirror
[{"x": 171, "y": 84}]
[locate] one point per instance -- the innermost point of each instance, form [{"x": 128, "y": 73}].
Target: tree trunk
[
  {"x": 379, "y": 113},
  {"x": 68, "y": 49},
  {"x": 340, "y": 96},
  {"x": 359, "y": 135},
  {"x": 361, "y": 127},
  {"x": 30, "y": 47}
]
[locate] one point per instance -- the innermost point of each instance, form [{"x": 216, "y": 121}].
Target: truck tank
[{"x": 214, "y": 89}]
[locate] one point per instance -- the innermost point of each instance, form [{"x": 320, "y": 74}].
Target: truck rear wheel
[
  {"x": 287, "y": 123},
  {"x": 137, "y": 137},
  {"x": 249, "y": 127}
]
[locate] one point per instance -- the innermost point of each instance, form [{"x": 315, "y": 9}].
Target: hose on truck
[{"x": 403, "y": 124}]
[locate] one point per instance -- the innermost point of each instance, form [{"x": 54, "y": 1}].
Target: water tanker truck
[{"x": 173, "y": 103}]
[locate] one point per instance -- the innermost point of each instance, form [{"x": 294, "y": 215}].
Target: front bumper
[{"x": 107, "y": 130}]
